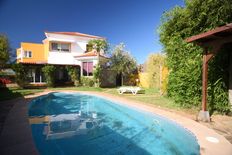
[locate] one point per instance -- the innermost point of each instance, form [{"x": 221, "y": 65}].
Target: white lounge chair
[{"x": 130, "y": 89}]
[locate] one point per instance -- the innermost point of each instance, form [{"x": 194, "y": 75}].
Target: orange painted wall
[
  {"x": 38, "y": 54},
  {"x": 46, "y": 48},
  {"x": 18, "y": 53}
]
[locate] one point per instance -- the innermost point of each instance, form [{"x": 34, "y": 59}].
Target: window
[
  {"x": 54, "y": 47},
  {"x": 30, "y": 75},
  {"x": 87, "y": 68},
  {"x": 27, "y": 54},
  {"x": 63, "y": 47}
]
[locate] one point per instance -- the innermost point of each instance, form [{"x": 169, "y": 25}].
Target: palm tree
[{"x": 100, "y": 46}]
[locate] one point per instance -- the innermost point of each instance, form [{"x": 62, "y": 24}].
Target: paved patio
[{"x": 16, "y": 135}]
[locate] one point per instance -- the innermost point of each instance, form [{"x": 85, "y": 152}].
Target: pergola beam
[{"x": 216, "y": 42}]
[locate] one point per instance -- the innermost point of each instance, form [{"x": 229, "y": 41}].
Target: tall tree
[
  {"x": 101, "y": 46},
  {"x": 153, "y": 66},
  {"x": 185, "y": 60},
  {"x": 4, "y": 50},
  {"x": 122, "y": 62}
]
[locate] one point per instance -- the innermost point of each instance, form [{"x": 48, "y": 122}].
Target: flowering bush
[{"x": 4, "y": 81}]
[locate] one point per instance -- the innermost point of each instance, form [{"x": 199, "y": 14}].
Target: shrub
[
  {"x": 87, "y": 81},
  {"x": 154, "y": 68},
  {"x": 73, "y": 72},
  {"x": 49, "y": 73},
  {"x": 96, "y": 75},
  {"x": 20, "y": 74},
  {"x": 5, "y": 81},
  {"x": 185, "y": 60}
]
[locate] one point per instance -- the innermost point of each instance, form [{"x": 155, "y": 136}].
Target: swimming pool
[{"x": 73, "y": 123}]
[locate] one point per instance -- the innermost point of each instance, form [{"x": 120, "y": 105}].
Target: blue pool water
[{"x": 77, "y": 124}]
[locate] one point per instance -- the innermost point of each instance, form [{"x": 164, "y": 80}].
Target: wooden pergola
[{"x": 211, "y": 42}]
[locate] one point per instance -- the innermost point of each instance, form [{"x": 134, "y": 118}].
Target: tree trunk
[
  {"x": 121, "y": 79},
  {"x": 98, "y": 57}
]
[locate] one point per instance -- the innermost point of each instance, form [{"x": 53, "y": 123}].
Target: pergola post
[
  {"x": 204, "y": 83},
  {"x": 204, "y": 114}
]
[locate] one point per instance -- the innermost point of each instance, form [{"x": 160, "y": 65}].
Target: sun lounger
[{"x": 133, "y": 90}]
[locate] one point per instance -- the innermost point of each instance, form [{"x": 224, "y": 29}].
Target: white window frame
[
  {"x": 59, "y": 45},
  {"x": 27, "y": 54},
  {"x": 87, "y": 68},
  {"x": 31, "y": 72}
]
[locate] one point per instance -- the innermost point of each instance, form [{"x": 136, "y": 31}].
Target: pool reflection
[{"x": 67, "y": 125}]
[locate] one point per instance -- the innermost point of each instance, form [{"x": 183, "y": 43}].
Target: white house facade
[{"x": 59, "y": 48}]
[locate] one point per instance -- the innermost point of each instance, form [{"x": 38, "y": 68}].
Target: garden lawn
[
  {"x": 153, "y": 97},
  {"x": 81, "y": 88},
  {"x": 11, "y": 93}
]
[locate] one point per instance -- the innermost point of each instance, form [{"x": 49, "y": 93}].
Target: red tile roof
[
  {"x": 89, "y": 54},
  {"x": 77, "y": 34},
  {"x": 33, "y": 63},
  {"x": 45, "y": 63}
]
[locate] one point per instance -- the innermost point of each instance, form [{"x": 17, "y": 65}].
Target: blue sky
[{"x": 133, "y": 22}]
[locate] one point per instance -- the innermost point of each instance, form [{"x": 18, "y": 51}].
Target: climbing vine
[
  {"x": 73, "y": 72},
  {"x": 49, "y": 73},
  {"x": 20, "y": 75}
]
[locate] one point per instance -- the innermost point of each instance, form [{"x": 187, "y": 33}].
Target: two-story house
[{"x": 59, "y": 49}]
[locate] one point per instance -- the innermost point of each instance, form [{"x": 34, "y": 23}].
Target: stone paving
[
  {"x": 5, "y": 107},
  {"x": 16, "y": 138},
  {"x": 222, "y": 125}
]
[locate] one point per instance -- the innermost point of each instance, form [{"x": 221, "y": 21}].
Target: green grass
[
  {"x": 11, "y": 93},
  {"x": 152, "y": 97},
  {"x": 81, "y": 88}
]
